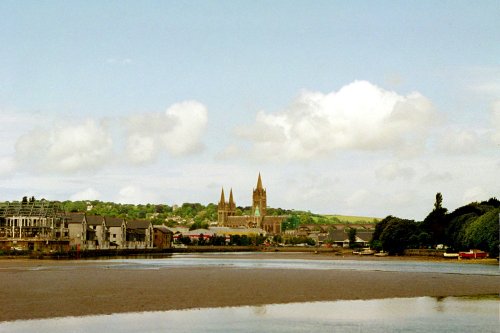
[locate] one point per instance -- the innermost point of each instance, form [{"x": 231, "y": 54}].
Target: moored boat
[
  {"x": 381, "y": 254},
  {"x": 450, "y": 255},
  {"x": 367, "y": 252},
  {"x": 473, "y": 254}
]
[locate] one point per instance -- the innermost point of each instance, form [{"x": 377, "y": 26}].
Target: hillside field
[{"x": 336, "y": 219}]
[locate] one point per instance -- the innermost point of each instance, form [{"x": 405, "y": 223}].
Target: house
[
  {"x": 117, "y": 229},
  {"x": 139, "y": 234},
  {"x": 97, "y": 224},
  {"x": 341, "y": 237},
  {"x": 163, "y": 237},
  {"x": 81, "y": 235}
]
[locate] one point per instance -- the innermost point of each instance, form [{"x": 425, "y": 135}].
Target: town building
[
  {"x": 139, "y": 234},
  {"x": 163, "y": 237},
  {"x": 117, "y": 229}
]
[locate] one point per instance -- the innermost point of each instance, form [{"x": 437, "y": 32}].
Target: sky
[{"x": 362, "y": 108}]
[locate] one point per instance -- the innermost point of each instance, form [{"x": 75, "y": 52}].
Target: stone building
[{"x": 258, "y": 219}]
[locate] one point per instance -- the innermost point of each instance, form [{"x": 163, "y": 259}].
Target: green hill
[{"x": 353, "y": 219}]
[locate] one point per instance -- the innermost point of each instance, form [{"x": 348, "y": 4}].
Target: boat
[
  {"x": 381, "y": 254},
  {"x": 367, "y": 252},
  {"x": 473, "y": 254},
  {"x": 450, "y": 255}
]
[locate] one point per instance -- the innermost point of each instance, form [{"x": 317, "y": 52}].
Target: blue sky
[{"x": 350, "y": 107}]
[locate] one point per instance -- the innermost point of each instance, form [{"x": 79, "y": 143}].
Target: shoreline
[{"x": 54, "y": 288}]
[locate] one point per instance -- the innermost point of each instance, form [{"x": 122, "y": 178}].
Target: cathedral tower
[
  {"x": 259, "y": 202},
  {"x": 225, "y": 209}
]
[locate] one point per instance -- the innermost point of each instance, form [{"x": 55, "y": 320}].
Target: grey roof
[
  {"x": 94, "y": 219},
  {"x": 365, "y": 235},
  {"x": 338, "y": 235},
  {"x": 163, "y": 229},
  {"x": 75, "y": 217},
  {"x": 113, "y": 221},
  {"x": 138, "y": 224}
]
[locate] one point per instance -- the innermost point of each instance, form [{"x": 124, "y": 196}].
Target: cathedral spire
[
  {"x": 259, "y": 183},
  {"x": 222, "y": 198},
  {"x": 231, "y": 201}
]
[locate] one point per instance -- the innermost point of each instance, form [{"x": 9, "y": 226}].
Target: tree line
[{"x": 475, "y": 225}]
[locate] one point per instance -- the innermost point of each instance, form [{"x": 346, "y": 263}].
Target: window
[{"x": 114, "y": 235}]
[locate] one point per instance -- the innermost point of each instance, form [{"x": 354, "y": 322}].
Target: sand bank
[{"x": 40, "y": 289}]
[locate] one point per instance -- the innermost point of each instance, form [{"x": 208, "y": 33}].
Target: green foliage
[
  {"x": 439, "y": 201},
  {"x": 379, "y": 227},
  {"x": 395, "y": 237},
  {"x": 291, "y": 223},
  {"x": 218, "y": 240},
  {"x": 185, "y": 240},
  {"x": 482, "y": 232},
  {"x": 475, "y": 225},
  {"x": 456, "y": 230},
  {"x": 352, "y": 237},
  {"x": 198, "y": 225},
  {"x": 277, "y": 239},
  {"x": 300, "y": 240},
  {"x": 435, "y": 224}
]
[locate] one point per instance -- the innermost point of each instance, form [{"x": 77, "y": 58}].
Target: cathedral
[{"x": 227, "y": 212}]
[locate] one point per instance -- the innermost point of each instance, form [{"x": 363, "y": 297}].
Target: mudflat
[{"x": 42, "y": 289}]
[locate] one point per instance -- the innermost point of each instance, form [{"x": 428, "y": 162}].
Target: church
[{"x": 258, "y": 219}]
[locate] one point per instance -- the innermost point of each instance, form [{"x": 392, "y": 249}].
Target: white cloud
[
  {"x": 458, "y": 141},
  {"x": 436, "y": 177},
  {"x": 121, "y": 61},
  {"x": 87, "y": 194},
  {"x": 360, "y": 116},
  {"x": 475, "y": 193},
  {"x": 7, "y": 165},
  {"x": 393, "y": 171},
  {"x": 230, "y": 151},
  {"x": 358, "y": 198},
  {"x": 65, "y": 148},
  {"x": 136, "y": 195},
  {"x": 178, "y": 131},
  {"x": 495, "y": 121}
]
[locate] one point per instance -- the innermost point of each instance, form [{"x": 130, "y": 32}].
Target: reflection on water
[
  {"x": 422, "y": 314},
  {"x": 206, "y": 260}
]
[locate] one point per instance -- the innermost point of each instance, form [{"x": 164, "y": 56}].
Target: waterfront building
[
  {"x": 139, "y": 234},
  {"x": 163, "y": 237}
]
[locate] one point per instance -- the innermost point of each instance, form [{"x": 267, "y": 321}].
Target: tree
[
  {"x": 291, "y": 223},
  {"x": 201, "y": 239},
  {"x": 380, "y": 226},
  {"x": 352, "y": 237},
  {"x": 482, "y": 232},
  {"x": 184, "y": 240},
  {"x": 277, "y": 239},
  {"x": 435, "y": 224},
  {"x": 439, "y": 201},
  {"x": 396, "y": 235}
]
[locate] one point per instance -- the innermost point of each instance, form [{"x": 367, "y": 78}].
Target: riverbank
[
  {"x": 46, "y": 288},
  {"x": 311, "y": 253}
]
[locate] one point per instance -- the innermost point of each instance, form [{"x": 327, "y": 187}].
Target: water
[
  {"x": 421, "y": 314},
  {"x": 238, "y": 261}
]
